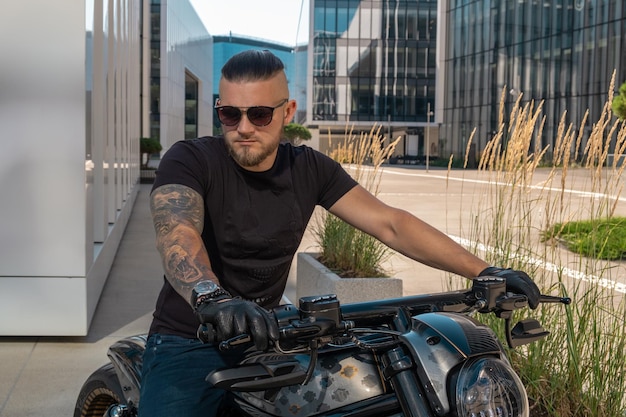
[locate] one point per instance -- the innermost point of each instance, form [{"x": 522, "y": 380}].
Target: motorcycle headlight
[{"x": 488, "y": 387}]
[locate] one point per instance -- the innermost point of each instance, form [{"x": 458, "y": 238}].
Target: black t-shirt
[{"x": 254, "y": 221}]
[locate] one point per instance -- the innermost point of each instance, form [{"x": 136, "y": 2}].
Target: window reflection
[
  {"x": 373, "y": 60},
  {"x": 191, "y": 106},
  {"x": 562, "y": 53}
]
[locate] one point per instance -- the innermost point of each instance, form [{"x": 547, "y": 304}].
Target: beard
[{"x": 247, "y": 157}]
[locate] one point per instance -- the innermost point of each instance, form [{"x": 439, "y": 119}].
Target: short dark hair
[{"x": 252, "y": 65}]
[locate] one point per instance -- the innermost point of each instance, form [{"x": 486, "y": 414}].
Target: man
[{"x": 229, "y": 215}]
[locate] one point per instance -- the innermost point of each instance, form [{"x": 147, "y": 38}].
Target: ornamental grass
[
  {"x": 539, "y": 226},
  {"x": 347, "y": 251}
]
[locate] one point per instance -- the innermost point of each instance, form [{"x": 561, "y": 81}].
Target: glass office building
[
  {"x": 181, "y": 73},
  {"x": 562, "y": 52},
  {"x": 373, "y": 62}
]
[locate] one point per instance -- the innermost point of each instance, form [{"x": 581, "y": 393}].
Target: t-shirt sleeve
[
  {"x": 334, "y": 180},
  {"x": 180, "y": 165}
]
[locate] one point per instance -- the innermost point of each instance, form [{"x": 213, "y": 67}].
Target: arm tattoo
[
  {"x": 175, "y": 203},
  {"x": 178, "y": 216}
]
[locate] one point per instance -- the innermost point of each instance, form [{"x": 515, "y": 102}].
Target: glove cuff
[{"x": 212, "y": 299}]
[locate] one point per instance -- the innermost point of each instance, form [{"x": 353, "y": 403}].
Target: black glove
[
  {"x": 516, "y": 281},
  {"x": 232, "y": 317}
]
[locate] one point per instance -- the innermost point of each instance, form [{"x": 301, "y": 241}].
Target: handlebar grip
[{"x": 206, "y": 334}]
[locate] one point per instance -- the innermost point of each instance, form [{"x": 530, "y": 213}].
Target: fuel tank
[{"x": 340, "y": 378}]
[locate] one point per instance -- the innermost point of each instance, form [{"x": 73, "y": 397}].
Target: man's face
[{"x": 251, "y": 146}]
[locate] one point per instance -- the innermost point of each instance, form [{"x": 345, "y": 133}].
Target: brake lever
[
  {"x": 206, "y": 334},
  {"x": 234, "y": 342},
  {"x": 529, "y": 330},
  {"x": 516, "y": 302},
  {"x": 551, "y": 299}
]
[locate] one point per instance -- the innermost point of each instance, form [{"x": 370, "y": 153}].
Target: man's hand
[
  {"x": 232, "y": 317},
  {"x": 516, "y": 281}
]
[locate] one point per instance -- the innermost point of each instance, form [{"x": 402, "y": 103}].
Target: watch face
[{"x": 205, "y": 287}]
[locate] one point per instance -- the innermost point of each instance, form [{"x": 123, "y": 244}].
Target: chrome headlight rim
[{"x": 489, "y": 387}]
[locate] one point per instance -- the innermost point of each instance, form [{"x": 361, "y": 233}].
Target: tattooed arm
[{"x": 178, "y": 216}]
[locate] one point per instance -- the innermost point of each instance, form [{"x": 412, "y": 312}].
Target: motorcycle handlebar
[
  {"x": 321, "y": 317},
  {"x": 293, "y": 332}
]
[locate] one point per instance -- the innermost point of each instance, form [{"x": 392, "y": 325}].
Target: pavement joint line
[
  {"x": 17, "y": 378},
  {"x": 549, "y": 266}
]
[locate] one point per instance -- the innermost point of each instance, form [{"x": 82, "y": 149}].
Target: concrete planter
[{"x": 313, "y": 278}]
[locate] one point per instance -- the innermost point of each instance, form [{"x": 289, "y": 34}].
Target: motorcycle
[{"x": 415, "y": 356}]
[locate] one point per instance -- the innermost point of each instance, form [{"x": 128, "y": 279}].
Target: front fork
[{"x": 399, "y": 370}]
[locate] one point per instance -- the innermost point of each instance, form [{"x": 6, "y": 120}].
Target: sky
[{"x": 274, "y": 20}]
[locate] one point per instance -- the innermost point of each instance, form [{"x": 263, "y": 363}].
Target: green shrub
[
  {"x": 296, "y": 133},
  {"x": 599, "y": 238},
  {"x": 147, "y": 147}
]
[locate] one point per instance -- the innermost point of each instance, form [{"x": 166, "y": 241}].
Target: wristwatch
[{"x": 207, "y": 291}]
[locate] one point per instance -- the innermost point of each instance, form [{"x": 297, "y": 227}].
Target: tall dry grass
[
  {"x": 580, "y": 369},
  {"x": 345, "y": 250}
]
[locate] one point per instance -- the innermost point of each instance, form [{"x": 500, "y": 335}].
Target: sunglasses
[{"x": 258, "y": 115}]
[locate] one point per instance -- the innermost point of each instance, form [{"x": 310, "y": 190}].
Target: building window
[
  {"x": 155, "y": 70},
  {"x": 191, "y": 106}
]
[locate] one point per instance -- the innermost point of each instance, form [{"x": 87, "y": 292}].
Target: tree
[
  {"x": 148, "y": 146},
  {"x": 619, "y": 103},
  {"x": 295, "y": 133}
]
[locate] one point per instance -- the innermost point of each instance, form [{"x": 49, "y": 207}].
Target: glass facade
[
  {"x": 300, "y": 82},
  {"x": 181, "y": 91},
  {"x": 191, "y": 106},
  {"x": 372, "y": 61},
  {"x": 155, "y": 68},
  {"x": 561, "y": 52}
]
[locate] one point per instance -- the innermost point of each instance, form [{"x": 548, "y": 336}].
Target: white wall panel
[
  {"x": 42, "y": 128},
  {"x": 69, "y": 131},
  {"x": 70, "y": 123},
  {"x": 61, "y": 308}
]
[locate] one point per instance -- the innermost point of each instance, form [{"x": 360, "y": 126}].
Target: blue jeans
[{"x": 173, "y": 377}]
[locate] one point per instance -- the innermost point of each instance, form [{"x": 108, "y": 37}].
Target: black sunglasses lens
[
  {"x": 229, "y": 115},
  {"x": 260, "y": 115}
]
